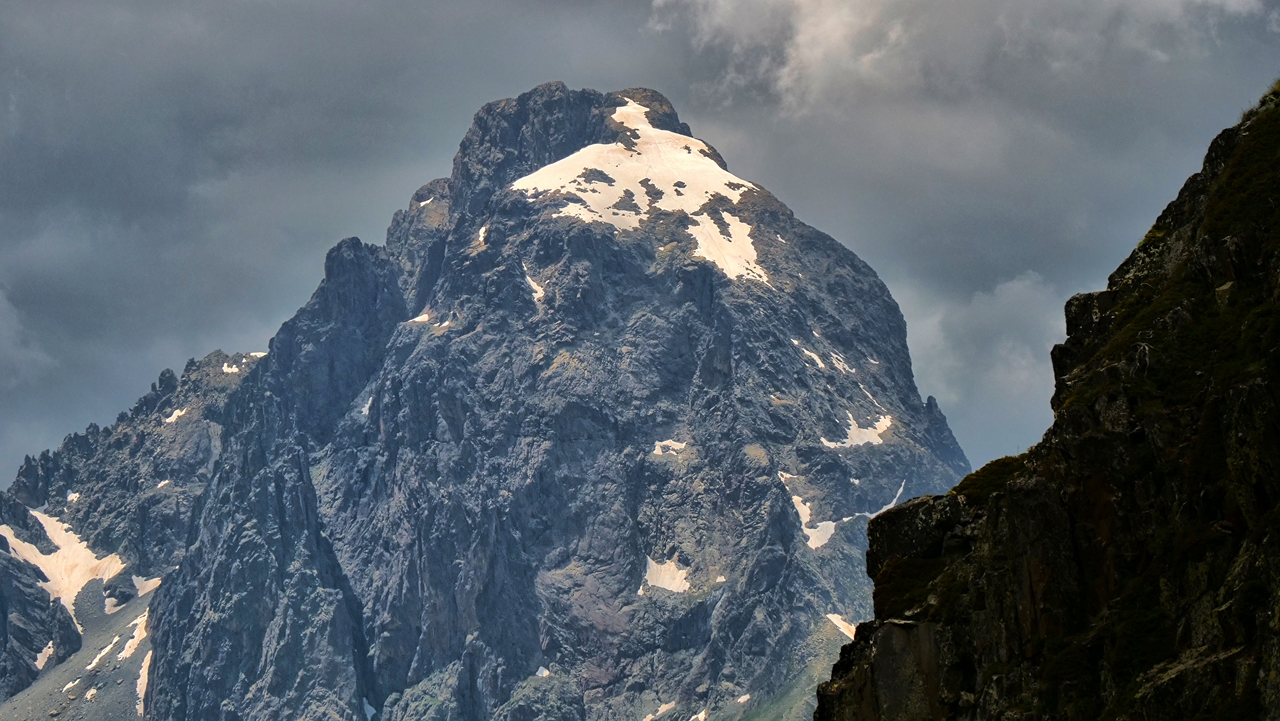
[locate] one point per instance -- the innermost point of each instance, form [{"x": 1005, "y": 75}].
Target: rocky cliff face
[
  {"x": 1124, "y": 567},
  {"x": 595, "y": 434}
]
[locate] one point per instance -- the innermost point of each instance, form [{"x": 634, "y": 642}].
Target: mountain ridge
[{"x": 649, "y": 430}]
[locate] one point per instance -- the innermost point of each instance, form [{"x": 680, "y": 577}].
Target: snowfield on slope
[
  {"x": 662, "y": 170},
  {"x": 70, "y": 567}
]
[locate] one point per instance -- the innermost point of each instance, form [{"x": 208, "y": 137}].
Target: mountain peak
[{"x": 559, "y": 449}]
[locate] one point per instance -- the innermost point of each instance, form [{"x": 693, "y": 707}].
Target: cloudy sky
[{"x": 171, "y": 173}]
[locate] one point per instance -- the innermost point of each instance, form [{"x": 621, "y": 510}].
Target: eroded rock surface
[{"x": 1124, "y": 567}]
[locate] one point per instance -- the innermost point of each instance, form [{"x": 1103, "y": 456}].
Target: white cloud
[
  {"x": 804, "y": 49},
  {"x": 987, "y": 361}
]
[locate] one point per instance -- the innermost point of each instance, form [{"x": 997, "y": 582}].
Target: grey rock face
[
  {"x": 538, "y": 458},
  {"x": 128, "y": 489}
]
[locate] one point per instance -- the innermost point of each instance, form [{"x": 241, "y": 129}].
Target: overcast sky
[{"x": 172, "y": 173}]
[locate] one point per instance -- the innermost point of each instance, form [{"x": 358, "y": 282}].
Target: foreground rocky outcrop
[
  {"x": 596, "y": 434},
  {"x": 1125, "y": 567}
]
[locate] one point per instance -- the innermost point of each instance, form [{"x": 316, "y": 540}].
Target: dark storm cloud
[
  {"x": 172, "y": 173},
  {"x": 987, "y": 157}
]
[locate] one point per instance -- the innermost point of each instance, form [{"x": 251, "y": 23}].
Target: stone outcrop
[{"x": 1124, "y": 567}]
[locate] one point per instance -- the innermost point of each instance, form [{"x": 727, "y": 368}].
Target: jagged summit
[{"x": 595, "y": 434}]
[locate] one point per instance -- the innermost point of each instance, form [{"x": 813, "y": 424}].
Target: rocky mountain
[
  {"x": 596, "y": 434},
  {"x": 1124, "y": 567}
]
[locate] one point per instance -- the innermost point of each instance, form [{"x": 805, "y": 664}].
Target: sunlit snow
[
  {"x": 139, "y": 632},
  {"x": 837, "y": 360},
  {"x": 145, "y": 585},
  {"x": 228, "y": 368},
  {"x": 73, "y": 497},
  {"x": 258, "y": 354},
  {"x": 70, "y": 686},
  {"x": 43, "y": 657},
  {"x": 426, "y": 316},
  {"x": 175, "y": 415},
  {"x": 700, "y": 716},
  {"x": 142, "y": 684},
  {"x": 542, "y": 672},
  {"x": 860, "y": 436},
  {"x": 668, "y": 446},
  {"x": 888, "y": 505},
  {"x": 537, "y": 289},
  {"x": 666, "y": 575},
  {"x": 845, "y": 627},
  {"x": 819, "y": 535},
  {"x": 816, "y": 358},
  {"x": 70, "y": 567},
  {"x": 163, "y": 483},
  {"x": 105, "y": 650},
  {"x": 744, "y": 698},
  {"x": 662, "y": 170}
]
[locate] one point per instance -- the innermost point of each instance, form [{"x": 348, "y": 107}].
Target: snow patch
[
  {"x": 888, "y": 505},
  {"x": 88, "y": 695},
  {"x": 666, "y": 707},
  {"x": 139, "y": 632},
  {"x": 228, "y": 368},
  {"x": 731, "y": 250},
  {"x": 163, "y": 483},
  {"x": 861, "y": 436},
  {"x": 369, "y": 710},
  {"x": 872, "y": 398},
  {"x": 73, "y": 497},
  {"x": 780, "y": 240},
  {"x": 838, "y": 361},
  {"x": 142, "y": 684},
  {"x": 668, "y": 446},
  {"x": 68, "y": 568},
  {"x": 426, "y": 316},
  {"x": 666, "y": 575},
  {"x": 70, "y": 686},
  {"x": 720, "y": 579},
  {"x": 700, "y": 716},
  {"x": 537, "y": 289},
  {"x": 745, "y": 697},
  {"x": 367, "y": 405},
  {"x": 145, "y": 585},
  {"x": 175, "y": 415},
  {"x": 542, "y": 672},
  {"x": 111, "y": 606},
  {"x": 845, "y": 627},
  {"x": 106, "y": 649},
  {"x": 258, "y": 354},
  {"x": 661, "y": 170},
  {"x": 816, "y": 358},
  {"x": 819, "y": 535},
  {"x": 43, "y": 657}
]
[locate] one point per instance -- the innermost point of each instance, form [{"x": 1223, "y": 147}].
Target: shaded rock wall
[{"x": 1124, "y": 567}]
